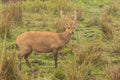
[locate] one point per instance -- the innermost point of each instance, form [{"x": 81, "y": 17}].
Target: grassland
[{"x": 92, "y": 54}]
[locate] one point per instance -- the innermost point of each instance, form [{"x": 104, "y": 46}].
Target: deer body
[{"x": 43, "y": 42}]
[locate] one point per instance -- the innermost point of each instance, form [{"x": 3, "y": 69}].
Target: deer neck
[{"x": 65, "y": 37}]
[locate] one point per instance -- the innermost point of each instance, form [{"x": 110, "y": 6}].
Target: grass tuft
[
  {"x": 9, "y": 70},
  {"x": 113, "y": 72}
]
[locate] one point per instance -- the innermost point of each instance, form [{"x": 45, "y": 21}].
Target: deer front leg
[
  {"x": 27, "y": 62},
  {"x": 26, "y": 58},
  {"x": 55, "y": 54}
]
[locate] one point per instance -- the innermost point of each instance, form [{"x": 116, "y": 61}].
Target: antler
[
  {"x": 61, "y": 14},
  {"x": 75, "y": 15},
  {"x": 64, "y": 17}
]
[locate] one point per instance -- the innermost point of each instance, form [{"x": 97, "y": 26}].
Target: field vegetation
[{"x": 93, "y": 52}]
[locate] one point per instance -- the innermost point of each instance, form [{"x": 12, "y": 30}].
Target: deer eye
[{"x": 68, "y": 27}]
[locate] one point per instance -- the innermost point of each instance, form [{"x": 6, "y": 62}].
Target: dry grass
[
  {"x": 116, "y": 43},
  {"x": 11, "y": 15},
  {"x": 92, "y": 55},
  {"x": 106, "y": 25},
  {"x": 115, "y": 6},
  {"x": 113, "y": 72},
  {"x": 13, "y": 11},
  {"x": 84, "y": 64},
  {"x": 116, "y": 46},
  {"x": 9, "y": 69},
  {"x": 93, "y": 21}
]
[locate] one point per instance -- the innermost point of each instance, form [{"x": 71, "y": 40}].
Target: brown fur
[{"x": 43, "y": 42}]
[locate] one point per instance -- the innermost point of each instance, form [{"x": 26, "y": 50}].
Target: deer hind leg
[
  {"x": 19, "y": 58},
  {"x": 55, "y": 54},
  {"x": 25, "y": 54},
  {"x": 26, "y": 58}
]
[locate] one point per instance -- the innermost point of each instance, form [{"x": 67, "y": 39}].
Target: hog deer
[{"x": 45, "y": 41}]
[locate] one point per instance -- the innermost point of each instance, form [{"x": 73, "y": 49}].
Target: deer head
[{"x": 69, "y": 24}]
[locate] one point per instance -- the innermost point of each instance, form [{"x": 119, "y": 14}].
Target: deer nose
[{"x": 72, "y": 32}]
